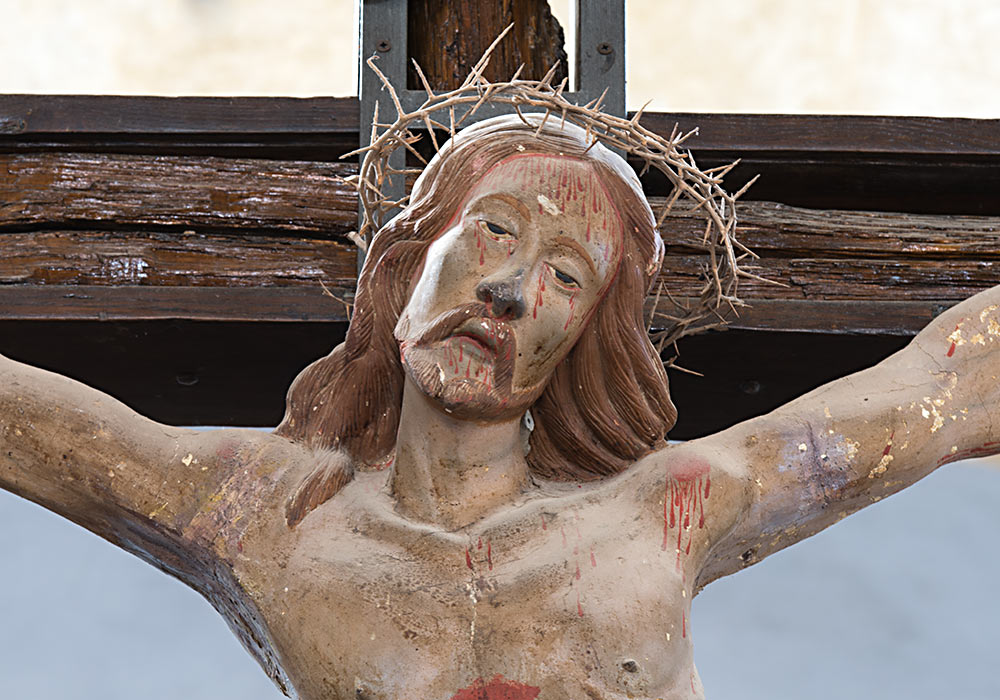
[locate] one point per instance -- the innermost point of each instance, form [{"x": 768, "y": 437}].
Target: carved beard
[{"x": 470, "y": 378}]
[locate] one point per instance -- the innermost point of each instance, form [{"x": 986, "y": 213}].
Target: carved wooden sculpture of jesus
[{"x": 471, "y": 498}]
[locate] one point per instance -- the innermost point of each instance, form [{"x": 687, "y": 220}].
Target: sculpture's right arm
[{"x": 144, "y": 486}]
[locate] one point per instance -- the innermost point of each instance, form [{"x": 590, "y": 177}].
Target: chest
[{"x": 575, "y": 595}]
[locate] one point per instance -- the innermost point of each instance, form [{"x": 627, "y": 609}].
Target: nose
[{"x": 503, "y": 297}]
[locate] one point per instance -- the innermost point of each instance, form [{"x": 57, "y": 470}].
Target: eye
[
  {"x": 496, "y": 232},
  {"x": 564, "y": 279}
]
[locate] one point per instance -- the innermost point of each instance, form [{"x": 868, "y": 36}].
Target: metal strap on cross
[{"x": 600, "y": 65}]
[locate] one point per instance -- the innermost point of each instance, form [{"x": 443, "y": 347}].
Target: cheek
[
  {"x": 555, "y": 306},
  {"x": 440, "y": 274},
  {"x": 554, "y": 317}
]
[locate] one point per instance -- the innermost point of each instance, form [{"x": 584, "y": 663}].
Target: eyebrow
[
  {"x": 512, "y": 201},
  {"x": 575, "y": 245}
]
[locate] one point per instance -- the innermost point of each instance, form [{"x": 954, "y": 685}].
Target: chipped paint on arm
[{"x": 859, "y": 439}]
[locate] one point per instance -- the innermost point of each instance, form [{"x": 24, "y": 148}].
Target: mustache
[{"x": 499, "y": 336}]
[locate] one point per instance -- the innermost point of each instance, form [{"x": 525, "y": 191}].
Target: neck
[{"x": 454, "y": 472}]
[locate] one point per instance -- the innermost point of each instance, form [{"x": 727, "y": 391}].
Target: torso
[{"x": 572, "y": 592}]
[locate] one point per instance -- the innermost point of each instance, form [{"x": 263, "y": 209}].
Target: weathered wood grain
[
  {"x": 49, "y": 190},
  {"x": 448, "y": 38},
  {"x": 846, "y": 255},
  {"x": 159, "y": 259},
  {"x": 812, "y": 255},
  {"x": 778, "y": 229},
  {"x": 182, "y": 222},
  {"x": 855, "y": 278}
]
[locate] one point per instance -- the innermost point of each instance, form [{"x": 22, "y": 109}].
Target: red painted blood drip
[
  {"x": 577, "y": 574},
  {"x": 480, "y": 245},
  {"x": 497, "y": 688},
  {"x": 572, "y": 310},
  {"x": 684, "y": 625},
  {"x": 986, "y": 450},
  {"x": 579, "y": 608},
  {"x": 888, "y": 447},
  {"x": 479, "y": 545},
  {"x": 593, "y": 559},
  {"x": 684, "y": 495},
  {"x": 468, "y": 558},
  {"x": 539, "y": 301},
  {"x": 563, "y": 532},
  {"x": 545, "y": 525},
  {"x": 951, "y": 350},
  {"x": 489, "y": 553}
]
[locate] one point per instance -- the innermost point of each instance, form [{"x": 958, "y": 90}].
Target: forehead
[{"x": 563, "y": 195}]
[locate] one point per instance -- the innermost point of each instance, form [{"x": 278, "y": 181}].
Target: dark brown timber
[
  {"x": 44, "y": 190},
  {"x": 166, "y": 223},
  {"x": 448, "y": 38}
]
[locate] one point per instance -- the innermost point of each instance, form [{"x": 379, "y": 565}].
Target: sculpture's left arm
[{"x": 859, "y": 439}]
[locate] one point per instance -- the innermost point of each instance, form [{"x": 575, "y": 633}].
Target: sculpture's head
[{"x": 514, "y": 280}]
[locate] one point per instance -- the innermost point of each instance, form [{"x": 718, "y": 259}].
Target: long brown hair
[{"x": 607, "y": 403}]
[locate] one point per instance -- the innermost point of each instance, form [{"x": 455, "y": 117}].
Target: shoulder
[
  {"x": 248, "y": 479},
  {"x": 707, "y": 474}
]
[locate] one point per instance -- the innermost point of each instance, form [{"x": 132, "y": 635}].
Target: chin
[{"x": 476, "y": 398}]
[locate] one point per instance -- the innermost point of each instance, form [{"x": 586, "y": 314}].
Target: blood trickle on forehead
[{"x": 552, "y": 185}]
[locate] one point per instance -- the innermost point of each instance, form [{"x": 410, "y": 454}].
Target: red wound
[{"x": 497, "y": 688}]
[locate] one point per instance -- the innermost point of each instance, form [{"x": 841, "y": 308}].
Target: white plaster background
[
  {"x": 894, "y": 602},
  {"x": 905, "y": 57}
]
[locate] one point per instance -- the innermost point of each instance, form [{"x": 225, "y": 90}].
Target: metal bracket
[{"x": 600, "y": 64}]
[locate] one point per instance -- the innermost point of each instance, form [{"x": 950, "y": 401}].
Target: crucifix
[{"x": 472, "y": 497}]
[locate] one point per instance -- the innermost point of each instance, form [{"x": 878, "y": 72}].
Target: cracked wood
[{"x": 167, "y": 223}]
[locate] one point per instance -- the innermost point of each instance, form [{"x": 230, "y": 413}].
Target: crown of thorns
[{"x": 694, "y": 190}]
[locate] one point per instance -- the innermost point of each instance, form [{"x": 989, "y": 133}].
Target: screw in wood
[
  {"x": 604, "y": 48},
  {"x": 383, "y": 46}
]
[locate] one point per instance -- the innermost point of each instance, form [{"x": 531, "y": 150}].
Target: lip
[{"x": 482, "y": 331}]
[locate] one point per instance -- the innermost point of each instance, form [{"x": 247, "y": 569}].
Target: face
[{"x": 508, "y": 287}]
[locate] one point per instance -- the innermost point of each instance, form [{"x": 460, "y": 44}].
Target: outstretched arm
[
  {"x": 859, "y": 439},
  {"x": 137, "y": 483}
]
